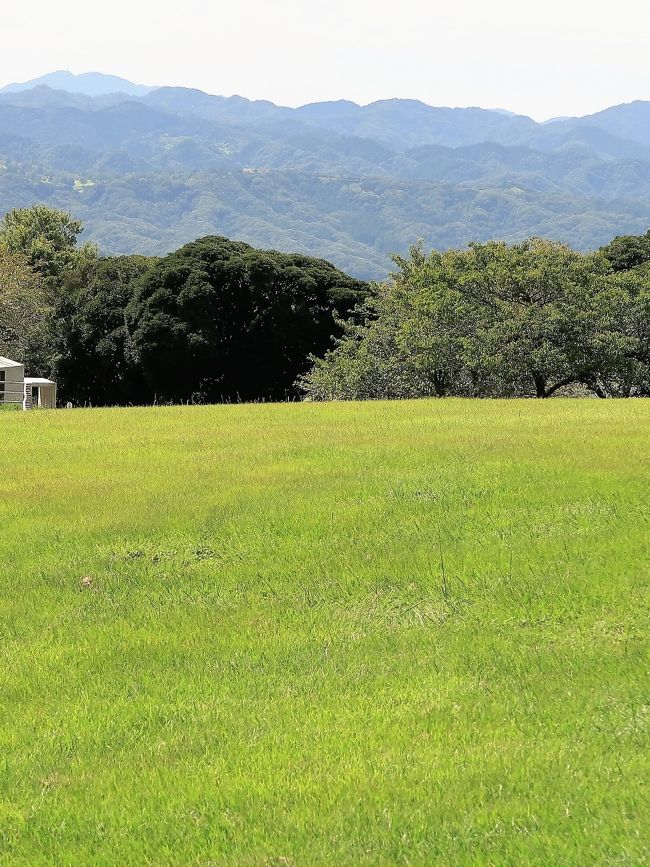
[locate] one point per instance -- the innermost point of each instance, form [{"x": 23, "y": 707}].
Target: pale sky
[{"x": 552, "y": 58}]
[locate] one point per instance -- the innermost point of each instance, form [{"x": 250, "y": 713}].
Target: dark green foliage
[
  {"x": 219, "y": 320},
  {"x": 626, "y": 252},
  {"x": 95, "y": 364}
]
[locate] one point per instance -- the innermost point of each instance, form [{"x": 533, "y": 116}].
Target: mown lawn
[{"x": 385, "y": 633}]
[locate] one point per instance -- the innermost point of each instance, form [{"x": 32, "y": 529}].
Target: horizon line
[{"x": 4, "y": 88}]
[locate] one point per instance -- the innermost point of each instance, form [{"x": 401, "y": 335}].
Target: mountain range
[{"x": 148, "y": 169}]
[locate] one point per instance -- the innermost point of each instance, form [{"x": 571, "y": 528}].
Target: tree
[
  {"x": 95, "y": 364},
  {"x": 493, "y": 320},
  {"x": 627, "y": 371},
  {"x": 627, "y": 252},
  {"x": 539, "y": 325},
  {"x": 24, "y": 313},
  {"x": 220, "y": 320},
  {"x": 408, "y": 339},
  {"x": 47, "y": 238}
]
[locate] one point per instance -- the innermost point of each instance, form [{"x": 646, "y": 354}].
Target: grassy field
[{"x": 391, "y": 633}]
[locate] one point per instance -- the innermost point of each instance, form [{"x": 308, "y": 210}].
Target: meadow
[{"x": 310, "y": 634}]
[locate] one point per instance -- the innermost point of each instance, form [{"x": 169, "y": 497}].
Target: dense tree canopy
[
  {"x": 628, "y": 252},
  {"x": 494, "y": 320},
  {"x": 95, "y": 362},
  {"x": 219, "y": 320}
]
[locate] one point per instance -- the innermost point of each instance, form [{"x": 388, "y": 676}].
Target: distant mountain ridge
[
  {"x": 101, "y": 84},
  {"x": 87, "y": 83},
  {"x": 151, "y": 169}
]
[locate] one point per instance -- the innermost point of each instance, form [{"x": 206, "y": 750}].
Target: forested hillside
[{"x": 349, "y": 183}]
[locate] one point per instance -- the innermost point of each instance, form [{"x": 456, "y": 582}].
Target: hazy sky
[{"x": 556, "y": 57}]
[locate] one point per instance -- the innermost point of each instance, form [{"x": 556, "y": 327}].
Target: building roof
[
  {"x": 7, "y": 362},
  {"x": 38, "y": 380}
]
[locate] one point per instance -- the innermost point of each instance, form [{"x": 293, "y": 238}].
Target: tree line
[{"x": 218, "y": 320}]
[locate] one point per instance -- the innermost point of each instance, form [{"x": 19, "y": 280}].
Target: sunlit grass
[{"x": 385, "y": 633}]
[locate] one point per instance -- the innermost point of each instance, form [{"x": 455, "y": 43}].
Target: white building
[
  {"x": 27, "y": 392},
  {"x": 12, "y": 381}
]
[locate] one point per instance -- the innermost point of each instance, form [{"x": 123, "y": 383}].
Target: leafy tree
[
  {"x": 47, "y": 238},
  {"x": 626, "y": 252},
  {"x": 409, "y": 339},
  {"x": 24, "y": 313},
  {"x": 220, "y": 320},
  {"x": 539, "y": 330},
  {"x": 627, "y": 372},
  {"x": 493, "y": 320},
  {"x": 95, "y": 364}
]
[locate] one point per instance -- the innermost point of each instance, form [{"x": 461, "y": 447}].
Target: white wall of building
[{"x": 12, "y": 381}]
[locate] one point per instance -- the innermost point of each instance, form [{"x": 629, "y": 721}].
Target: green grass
[{"x": 391, "y": 633}]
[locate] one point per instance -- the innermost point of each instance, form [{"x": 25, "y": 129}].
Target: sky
[{"x": 548, "y": 59}]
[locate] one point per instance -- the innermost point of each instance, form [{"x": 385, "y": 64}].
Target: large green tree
[
  {"x": 220, "y": 320},
  {"x": 494, "y": 320},
  {"x": 539, "y": 327}
]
